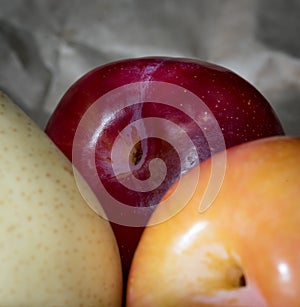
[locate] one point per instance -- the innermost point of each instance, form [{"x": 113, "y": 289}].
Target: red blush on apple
[{"x": 130, "y": 144}]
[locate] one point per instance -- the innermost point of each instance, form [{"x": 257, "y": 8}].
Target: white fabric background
[{"x": 45, "y": 45}]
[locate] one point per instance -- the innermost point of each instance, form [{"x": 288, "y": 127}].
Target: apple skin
[
  {"x": 242, "y": 251},
  {"x": 55, "y": 251},
  {"x": 241, "y": 111}
]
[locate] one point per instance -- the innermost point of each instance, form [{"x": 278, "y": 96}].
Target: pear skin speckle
[{"x": 54, "y": 250}]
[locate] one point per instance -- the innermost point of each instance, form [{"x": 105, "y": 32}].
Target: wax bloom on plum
[{"x": 132, "y": 127}]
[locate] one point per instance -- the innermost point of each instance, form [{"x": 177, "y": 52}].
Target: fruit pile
[{"x": 157, "y": 182}]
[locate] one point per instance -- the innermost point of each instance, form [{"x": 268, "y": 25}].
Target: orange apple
[{"x": 244, "y": 250}]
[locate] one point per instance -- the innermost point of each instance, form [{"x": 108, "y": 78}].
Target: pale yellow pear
[{"x": 54, "y": 250}]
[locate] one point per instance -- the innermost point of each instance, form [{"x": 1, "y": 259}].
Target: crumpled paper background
[{"x": 46, "y": 45}]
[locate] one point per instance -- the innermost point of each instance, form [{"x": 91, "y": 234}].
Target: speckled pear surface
[{"x": 54, "y": 250}]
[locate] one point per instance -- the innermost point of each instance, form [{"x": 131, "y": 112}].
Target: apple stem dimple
[
  {"x": 136, "y": 153},
  {"x": 242, "y": 281}
]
